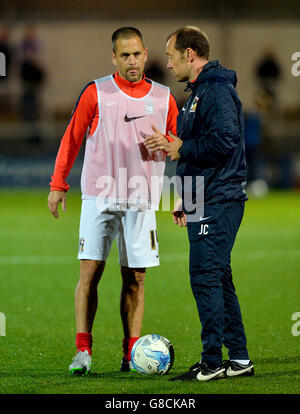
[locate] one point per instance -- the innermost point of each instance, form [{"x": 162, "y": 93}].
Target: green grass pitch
[{"x": 39, "y": 272}]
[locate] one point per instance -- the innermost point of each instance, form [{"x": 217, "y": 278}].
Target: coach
[{"x": 211, "y": 145}]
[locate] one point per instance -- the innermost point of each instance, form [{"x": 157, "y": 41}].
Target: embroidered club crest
[
  {"x": 149, "y": 107},
  {"x": 194, "y": 104},
  {"x": 81, "y": 245}
]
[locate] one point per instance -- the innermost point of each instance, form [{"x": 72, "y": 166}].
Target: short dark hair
[
  {"x": 193, "y": 37},
  {"x": 127, "y": 33}
]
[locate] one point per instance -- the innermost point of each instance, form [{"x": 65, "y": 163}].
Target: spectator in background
[
  {"x": 32, "y": 77},
  {"x": 155, "y": 71},
  {"x": 252, "y": 143},
  {"x": 6, "y": 49},
  {"x": 268, "y": 73},
  {"x": 30, "y": 45},
  {"x": 254, "y": 135}
]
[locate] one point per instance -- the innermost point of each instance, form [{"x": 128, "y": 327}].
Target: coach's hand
[
  {"x": 172, "y": 148},
  {"x": 178, "y": 215},
  {"x": 158, "y": 141},
  {"x": 54, "y": 198}
]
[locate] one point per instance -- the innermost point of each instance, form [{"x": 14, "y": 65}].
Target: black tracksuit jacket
[{"x": 211, "y": 125}]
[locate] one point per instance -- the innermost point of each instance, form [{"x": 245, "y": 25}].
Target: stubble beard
[
  {"x": 181, "y": 78},
  {"x": 134, "y": 78}
]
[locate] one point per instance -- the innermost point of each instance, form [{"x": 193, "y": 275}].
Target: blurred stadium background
[{"x": 53, "y": 48}]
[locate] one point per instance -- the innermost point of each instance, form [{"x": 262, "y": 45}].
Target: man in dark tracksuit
[{"x": 211, "y": 145}]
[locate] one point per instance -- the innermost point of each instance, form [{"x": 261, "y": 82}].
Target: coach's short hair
[
  {"x": 125, "y": 33},
  {"x": 193, "y": 37}
]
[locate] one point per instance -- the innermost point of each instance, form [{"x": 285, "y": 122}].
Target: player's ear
[
  {"x": 189, "y": 54},
  {"x": 113, "y": 58},
  {"x": 146, "y": 54}
]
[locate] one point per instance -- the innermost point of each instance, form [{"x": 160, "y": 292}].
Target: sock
[
  {"x": 84, "y": 341},
  {"x": 127, "y": 345},
  {"x": 241, "y": 361}
]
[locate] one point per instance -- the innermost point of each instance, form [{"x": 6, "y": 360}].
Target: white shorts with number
[{"x": 135, "y": 232}]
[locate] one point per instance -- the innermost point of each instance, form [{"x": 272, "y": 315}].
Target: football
[{"x": 152, "y": 354}]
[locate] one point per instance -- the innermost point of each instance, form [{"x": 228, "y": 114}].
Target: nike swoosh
[
  {"x": 231, "y": 373},
  {"x": 204, "y": 218},
  {"x": 127, "y": 119},
  {"x": 201, "y": 377}
]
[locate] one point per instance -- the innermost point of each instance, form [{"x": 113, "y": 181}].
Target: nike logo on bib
[{"x": 127, "y": 119}]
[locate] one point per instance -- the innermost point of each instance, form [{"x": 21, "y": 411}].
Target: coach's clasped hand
[
  {"x": 173, "y": 147},
  {"x": 158, "y": 141}
]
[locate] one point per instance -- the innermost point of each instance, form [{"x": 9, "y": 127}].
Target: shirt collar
[{"x": 124, "y": 83}]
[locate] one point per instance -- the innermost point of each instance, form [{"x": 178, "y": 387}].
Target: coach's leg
[
  {"x": 234, "y": 333},
  {"x": 205, "y": 277},
  {"x": 208, "y": 293},
  {"x": 86, "y": 295}
]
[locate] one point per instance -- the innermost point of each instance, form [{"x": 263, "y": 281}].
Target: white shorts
[{"x": 135, "y": 232}]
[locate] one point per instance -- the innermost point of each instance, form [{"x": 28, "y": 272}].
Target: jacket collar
[{"x": 192, "y": 85}]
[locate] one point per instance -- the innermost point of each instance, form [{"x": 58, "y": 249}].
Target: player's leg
[
  {"x": 97, "y": 231},
  {"x": 86, "y": 294},
  {"x": 131, "y": 309},
  {"x": 138, "y": 249},
  {"x": 132, "y": 300},
  {"x": 86, "y": 301}
]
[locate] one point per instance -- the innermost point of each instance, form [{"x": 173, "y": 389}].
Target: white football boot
[{"x": 81, "y": 364}]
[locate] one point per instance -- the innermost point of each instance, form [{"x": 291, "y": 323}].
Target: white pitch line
[{"x": 32, "y": 260}]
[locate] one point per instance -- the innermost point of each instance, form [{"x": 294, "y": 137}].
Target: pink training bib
[{"x": 118, "y": 169}]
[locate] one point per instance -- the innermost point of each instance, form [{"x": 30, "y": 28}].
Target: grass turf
[{"x": 39, "y": 272}]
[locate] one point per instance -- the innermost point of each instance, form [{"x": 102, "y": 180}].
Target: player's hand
[
  {"x": 178, "y": 215},
  {"x": 157, "y": 141},
  {"x": 54, "y": 198}
]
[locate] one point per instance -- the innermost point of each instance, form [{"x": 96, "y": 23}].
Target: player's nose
[{"x": 132, "y": 60}]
